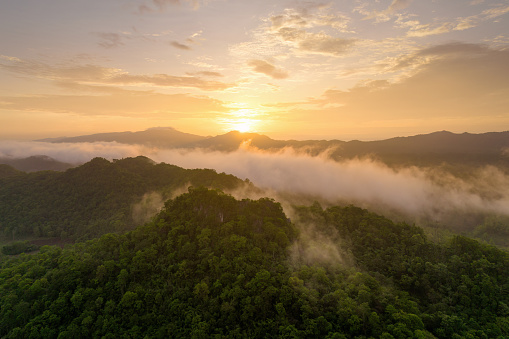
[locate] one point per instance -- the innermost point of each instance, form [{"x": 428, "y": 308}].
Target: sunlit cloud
[
  {"x": 110, "y": 40},
  {"x": 117, "y": 103},
  {"x": 178, "y": 45},
  {"x": 386, "y": 14},
  {"x": 447, "y": 81},
  {"x": 426, "y": 30},
  {"x": 266, "y": 68},
  {"x": 324, "y": 44},
  {"x": 206, "y": 74},
  {"x": 475, "y": 20},
  {"x": 308, "y": 64},
  {"x": 293, "y": 33},
  {"x": 94, "y": 74},
  {"x": 418, "y": 29},
  {"x": 161, "y": 5}
]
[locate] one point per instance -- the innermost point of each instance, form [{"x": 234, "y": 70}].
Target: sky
[{"x": 343, "y": 70}]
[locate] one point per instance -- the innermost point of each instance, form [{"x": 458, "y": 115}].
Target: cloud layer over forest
[{"x": 360, "y": 181}]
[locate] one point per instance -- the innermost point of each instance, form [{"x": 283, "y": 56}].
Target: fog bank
[{"x": 360, "y": 181}]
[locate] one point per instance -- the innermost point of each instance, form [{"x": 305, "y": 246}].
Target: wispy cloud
[
  {"x": 206, "y": 74},
  {"x": 117, "y": 103},
  {"x": 418, "y": 29},
  {"x": 266, "y": 68},
  {"x": 161, "y": 5},
  {"x": 292, "y": 27},
  {"x": 178, "y": 45},
  {"x": 475, "y": 20},
  {"x": 449, "y": 80},
  {"x": 324, "y": 44},
  {"x": 310, "y": 29},
  {"x": 94, "y": 74},
  {"x": 110, "y": 40},
  {"x": 385, "y": 14}
]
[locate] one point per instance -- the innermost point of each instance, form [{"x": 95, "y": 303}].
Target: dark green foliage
[
  {"x": 18, "y": 247},
  {"x": 93, "y": 199},
  {"x": 461, "y": 286},
  {"x": 8, "y": 171},
  {"x": 209, "y": 266}
]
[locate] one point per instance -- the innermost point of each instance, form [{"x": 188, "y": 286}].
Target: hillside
[
  {"x": 95, "y": 198},
  {"x": 211, "y": 266},
  {"x": 8, "y": 171},
  {"x": 36, "y": 163}
]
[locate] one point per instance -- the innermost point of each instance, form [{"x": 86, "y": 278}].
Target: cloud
[
  {"x": 110, "y": 40},
  {"x": 74, "y": 153},
  {"x": 309, "y": 16},
  {"x": 323, "y": 44},
  {"x": 363, "y": 182},
  {"x": 116, "y": 103},
  {"x": 475, "y": 20},
  {"x": 207, "y": 74},
  {"x": 161, "y": 5},
  {"x": 418, "y": 29},
  {"x": 178, "y": 45},
  {"x": 309, "y": 29},
  {"x": 449, "y": 80},
  {"x": 264, "y": 67},
  {"x": 165, "y": 80},
  {"x": 386, "y": 14},
  {"x": 316, "y": 43},
  {"x": 94, "y": 74},
  {"x": 292, "y": 25},
  {"x": 427, "y": 30},
  {"x": 398, "y": 5}
]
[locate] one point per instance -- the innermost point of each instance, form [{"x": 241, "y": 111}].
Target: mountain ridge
[
  {"x": 424, "y": 150},
  {"x": 156, "y": 137},
  {"x": 446, "y": 141}
]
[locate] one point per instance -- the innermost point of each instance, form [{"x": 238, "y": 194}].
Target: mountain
[
  {"x": 211, "y": 266},
  {"x": 232, "y": 140},
  {"x": 36, "y": 163},
  {"x": 439, "y": 145},
  {"x": 438, "y": 142},
  {"x": 95, "y": 198},
  {"x": 433, "y": 149},
  {"x": 164, "y": 137},
  {"x": 454, "y": 153}
]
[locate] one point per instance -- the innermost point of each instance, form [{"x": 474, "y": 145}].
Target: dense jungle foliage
[
  {"x": 210, "y": 266},
  {"x": 92, "y": 199}
]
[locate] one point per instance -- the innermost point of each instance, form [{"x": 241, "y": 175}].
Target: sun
[
  {"x": 242, "y": 125},
  {"x": 244, "y": 120}
]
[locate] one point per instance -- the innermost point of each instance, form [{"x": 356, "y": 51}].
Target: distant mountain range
[
  {"x": 420, "y": 150},
  {"x": 438, "y": 142},
  {"x": 165, "y": 137}
]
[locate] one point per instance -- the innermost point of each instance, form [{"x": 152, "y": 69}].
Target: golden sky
[{"x": 288, "y": 69}]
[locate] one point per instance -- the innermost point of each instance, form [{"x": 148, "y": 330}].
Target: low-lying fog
[{"x": 415, "y": 191}]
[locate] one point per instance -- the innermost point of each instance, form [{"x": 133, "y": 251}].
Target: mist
[
  {"x": 73, "y": 153},
  {"x": 364, "y": 182}
]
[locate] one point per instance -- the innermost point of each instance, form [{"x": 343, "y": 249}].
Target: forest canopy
[
  {"x": 209, "y": 265},
  {"x": 92, "y": 199}
]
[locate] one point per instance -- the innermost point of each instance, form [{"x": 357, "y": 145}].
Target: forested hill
[
  {"x": 92, "y": 199},
  {"x": 209, "y": 266}
]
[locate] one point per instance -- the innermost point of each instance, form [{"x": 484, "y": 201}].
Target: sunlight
[
  {"x": 242, "y": 125},
  {"x": 242, "y": 120}
]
